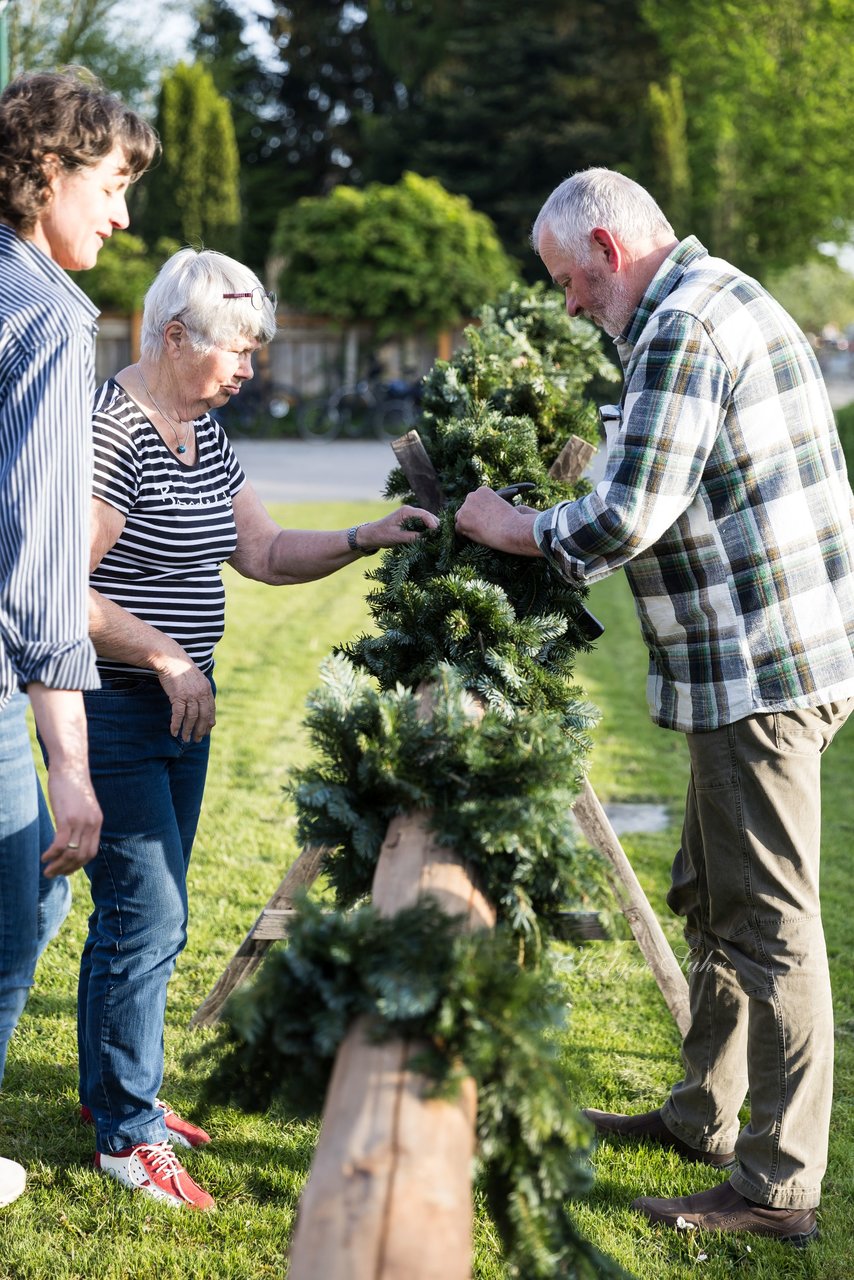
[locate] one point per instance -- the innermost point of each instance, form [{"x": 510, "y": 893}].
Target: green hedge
[{"x": 845, "y": 426}]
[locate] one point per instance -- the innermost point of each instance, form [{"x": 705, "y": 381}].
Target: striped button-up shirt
[
  {"x": 47, "y": 379},
  {"x": 726, "y": 499}
]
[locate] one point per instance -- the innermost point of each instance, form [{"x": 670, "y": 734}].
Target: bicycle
[
  {"x": 248, "y": 413},
  {"x": 385, "y": 409}
]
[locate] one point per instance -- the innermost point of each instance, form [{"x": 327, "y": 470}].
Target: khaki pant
[{"x": 746, "y": 880}]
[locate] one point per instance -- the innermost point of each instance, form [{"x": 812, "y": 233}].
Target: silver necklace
[{"x": 181, "y": 447}]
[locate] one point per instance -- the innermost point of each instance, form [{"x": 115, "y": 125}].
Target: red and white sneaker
[
  {"x": 181, "y": 1132},
  {"x": 154, "y": 1168}
]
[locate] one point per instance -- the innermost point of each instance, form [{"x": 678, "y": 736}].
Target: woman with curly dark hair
[{"x": 68, "y": 152}]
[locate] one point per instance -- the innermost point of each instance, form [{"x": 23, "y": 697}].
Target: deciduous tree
[
  {"x": 769, "y": 96},
  {"x": 404, "y": 257},
  {"x": 113, "y": 38}
]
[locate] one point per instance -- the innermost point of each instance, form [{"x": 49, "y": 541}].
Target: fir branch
[{"x": 499, "y": 791}]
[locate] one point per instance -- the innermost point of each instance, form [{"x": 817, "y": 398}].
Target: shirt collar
[
  {"x": 11, "y": 244},
  {"x": 666, "y": 279}
]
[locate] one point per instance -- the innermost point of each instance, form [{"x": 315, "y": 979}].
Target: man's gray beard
[
  {"x": 613, "y": 306},
  {"x": 618, "y": 311}
]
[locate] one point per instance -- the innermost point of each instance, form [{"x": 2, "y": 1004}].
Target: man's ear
[{"x": 605, "y": 246}]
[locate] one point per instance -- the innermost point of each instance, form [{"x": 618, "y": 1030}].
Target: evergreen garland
[
  {"x": 508, "y": 622},
  {"x": 469, "y": 1010},
  {"x": 495, "y": 415},
  {"x": 527, "y": 360},
  {"x": 499, "y": 792},
  {"x": 506, "y": 628}
]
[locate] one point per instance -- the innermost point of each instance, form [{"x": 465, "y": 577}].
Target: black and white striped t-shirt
[{"x": 165, "y": 566}]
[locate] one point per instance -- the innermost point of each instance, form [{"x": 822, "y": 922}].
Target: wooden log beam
[{"x": 389, "y": 1195}]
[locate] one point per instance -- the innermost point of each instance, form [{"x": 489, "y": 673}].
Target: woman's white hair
[
  {"x": 598, "y": 198},
  {"x": 190, "y": 287}
]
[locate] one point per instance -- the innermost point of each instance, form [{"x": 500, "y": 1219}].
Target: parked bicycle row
[{"x": 370, "y": 407}]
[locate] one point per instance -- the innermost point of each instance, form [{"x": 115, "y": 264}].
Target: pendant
[{"x": 182, "y": 448}]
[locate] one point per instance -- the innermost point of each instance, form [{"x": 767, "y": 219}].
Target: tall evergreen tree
[
  {"x": 298, "y": 122},
  {"x": 193, "y": 194},
  {"x": 333, "y": 75},
  {"x": 251, "y": 87},
  {"x": 517, "y": 98}
]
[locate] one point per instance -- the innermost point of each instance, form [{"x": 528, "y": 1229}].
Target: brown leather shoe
[
  {"x": 724, "y": 1209},
  {"x": 650, "y": 1127}
]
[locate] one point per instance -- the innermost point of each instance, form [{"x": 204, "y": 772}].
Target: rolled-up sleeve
[{"x": 671, "y": 416}]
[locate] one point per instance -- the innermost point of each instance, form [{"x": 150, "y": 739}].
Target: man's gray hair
[
  {"x": 190, "y": 286},
  {"x": 598, "y": 198}
]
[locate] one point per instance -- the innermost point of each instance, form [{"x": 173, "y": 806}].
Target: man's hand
[
  {"x": 77, "y": 817},
  {"x": 489, "y": 520}
]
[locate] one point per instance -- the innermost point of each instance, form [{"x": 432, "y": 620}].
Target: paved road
[
  {"x": 344, "y": 470},
  {"x": 303, "y": 471}
]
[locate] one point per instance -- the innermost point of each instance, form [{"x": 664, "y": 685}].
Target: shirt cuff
[
  {"x": 543, "y": 525},
  {"x": 65, "y": 666}
]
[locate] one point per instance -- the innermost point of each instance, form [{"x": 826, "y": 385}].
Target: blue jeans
[
  {"x": 31, "y": 907},
  {"x": 149, "y": 785}
]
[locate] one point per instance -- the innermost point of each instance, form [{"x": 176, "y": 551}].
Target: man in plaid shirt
[{"x": 725, "y": 498}]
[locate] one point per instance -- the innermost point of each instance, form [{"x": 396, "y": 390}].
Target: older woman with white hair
[{"x": 171, "y": 503}]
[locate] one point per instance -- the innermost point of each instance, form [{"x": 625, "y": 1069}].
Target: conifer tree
[{"x": 193, "y": 194}]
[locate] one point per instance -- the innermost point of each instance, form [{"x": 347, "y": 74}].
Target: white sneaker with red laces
[
  {"x": 154, "y": 1168},
  {"x": 13, "y": 1179},
  {"x": 181, "y": 1132}
]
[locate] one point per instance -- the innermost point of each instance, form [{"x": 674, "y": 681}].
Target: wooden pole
[
  {"x": 414, "y": 461},
  {"x": 593, "y": 821},
  {"x": 253, "y": 948},
  {"x": 573, "y": 460},
  {"x": 634, "y": 904}
]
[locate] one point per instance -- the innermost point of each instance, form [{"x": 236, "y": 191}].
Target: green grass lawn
[{"x": 622, "y": 1051}]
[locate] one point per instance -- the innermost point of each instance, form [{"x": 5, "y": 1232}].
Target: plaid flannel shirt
[{"x": 726, "y": 499}]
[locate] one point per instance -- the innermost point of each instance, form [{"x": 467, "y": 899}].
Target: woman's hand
[
  {"x": 61, "y": 721},
  {"x": 389, "y": 531},
  {"x": 283, "y": 557},
  {"x": 189, "y": 691},
  {"x": 77, "y": 816}
]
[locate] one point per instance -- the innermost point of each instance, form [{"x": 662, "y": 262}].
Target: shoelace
[{"x": 164, "y": 1163}]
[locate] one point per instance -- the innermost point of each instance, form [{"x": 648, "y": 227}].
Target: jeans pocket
[{"x": 127, "y": 684}]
